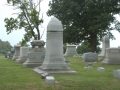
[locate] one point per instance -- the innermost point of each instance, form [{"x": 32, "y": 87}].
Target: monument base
[
  {"x": 111, "y": 62},
  {"x": 34, "y": 59},
  {"x": 15, "y": 57},
  {"x": 21, "y": 59},
  {"x": 31, "y": 65},
  {"x": 40, "y": 71}
]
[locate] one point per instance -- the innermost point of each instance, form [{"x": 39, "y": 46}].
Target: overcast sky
[{"x": 16, "y": 36}]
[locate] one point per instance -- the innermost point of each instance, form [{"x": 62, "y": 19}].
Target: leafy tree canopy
[
  {"x": 85, "y": 47},
  {"x": 28, "y": 18},
  {"x": 87, "y": 20},
  {"x": 4, "y": 47}
]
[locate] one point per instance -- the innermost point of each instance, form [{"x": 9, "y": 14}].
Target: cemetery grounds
[{"x": 14, "y": 76}]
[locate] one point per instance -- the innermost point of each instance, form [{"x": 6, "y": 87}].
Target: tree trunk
[
  {"x": 38, "y": 31},
  {"x": 93, "y": 43}
]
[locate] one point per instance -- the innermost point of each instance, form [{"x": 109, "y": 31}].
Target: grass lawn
[{"x": 14, "y": 76}]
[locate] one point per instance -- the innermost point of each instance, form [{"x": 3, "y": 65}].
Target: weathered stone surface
[
  {"x": 17, "y": 52},
  {"x": 101, "y": 69},
  {"x": 54, "y": 60},
  {"x": 105, "y": 44},
  {"x": 23, "y": 55},
  {"x": 71, "y": 50},
  {"x": 116, "y": 73},
  {"x": 90, "y": 57},
  {"x": 112, "y": 56},
  {"x": 50, "y": 80},
  {"x": 44, "y": 75},
  {"x": 34, "y": 59}
]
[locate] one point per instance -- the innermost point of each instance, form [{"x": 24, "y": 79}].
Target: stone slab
[
  {"x": 101, "y": 69},
  {"x": 50, "y": 80},
  {"x": 116, "y": 73},
  {"x": 44, "y": 75},
  {"x": 40, "y": 71}
]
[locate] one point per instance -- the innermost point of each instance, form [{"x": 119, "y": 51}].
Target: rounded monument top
[
  {"x": 54, "y": 25},
  {"x": 106, "y": 38}
]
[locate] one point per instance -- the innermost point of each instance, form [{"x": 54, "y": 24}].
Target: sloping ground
[{"x": 14, "y": 76}]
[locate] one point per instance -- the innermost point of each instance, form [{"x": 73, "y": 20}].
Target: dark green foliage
[
  {"x": 25, "y": 44},
  {"x": 85, "y": 47},
  {"x": 4, "y": 47},
  {"x": 87, "y": 20},
  {"x": 28, "y": 18}
]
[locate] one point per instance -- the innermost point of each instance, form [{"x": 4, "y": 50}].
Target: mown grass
[{"x": 14, "y": 76}]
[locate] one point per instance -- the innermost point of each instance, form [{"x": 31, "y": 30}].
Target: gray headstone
[
  {"x": 17, "y": 52},
  {"x": 90, "y": 57},
  {"x": 105, "y": 44},
  {"x": 116, "y": 73},
  {"x": 36, "y": 55}
]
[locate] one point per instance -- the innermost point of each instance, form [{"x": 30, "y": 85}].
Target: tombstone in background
[
  {"x": 36, "y": 55},
  {"x": 8, "y": 54},
  {"x": 112, "y": 56},
  {"x": 12, "y": 52},
  {"x": 17, "y": 52},
  {"x": 54, "y": 60},
  {"x": 90, "y": 57},
  {"x": 23, "y": 55},
  {"x": 71, "y": 50},
  {"x": 116, "y": 73},
  {"x": 105, "y": 44}
]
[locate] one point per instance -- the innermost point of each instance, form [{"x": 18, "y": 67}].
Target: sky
[{"x": 17, "y": 35}]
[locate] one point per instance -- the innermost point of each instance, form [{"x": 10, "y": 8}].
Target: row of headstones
[
  {"x": 51, "y": 61},
  {"x": 111, "y": 57}
]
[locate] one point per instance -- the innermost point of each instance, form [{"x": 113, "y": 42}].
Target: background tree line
[{"x": 4, "y": 47}]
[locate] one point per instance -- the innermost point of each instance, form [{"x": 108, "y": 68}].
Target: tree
[
  {"x": 87, "y": 20},
  {"x": 28, "y": 18},
  {"x": 25, "y": 44},
  {"x": 4, "y": 47},
  {"x": 85, "y": 47}
]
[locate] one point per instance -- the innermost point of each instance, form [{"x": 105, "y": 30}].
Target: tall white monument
[
  {"x": 23, "y": 55},
  {"x": 105, "y": 44},
  {"x": 17, "y": 52},
  {"x": 54, "y": 60},
  {"x": 71, "y": 50}
]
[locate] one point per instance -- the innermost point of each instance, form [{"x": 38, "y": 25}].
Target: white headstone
[
  {"x": 50, "y": 80},
  {"x": 101, "y": 69},
  {"x": 112, "y": 56},
  {"x": 17, "y": 52},
  {"x": 54, "y": 60},
  {"x": 23, "y": 55},
  {"x": 105, "y": 44},
  {"x": 71, "y": 50}
]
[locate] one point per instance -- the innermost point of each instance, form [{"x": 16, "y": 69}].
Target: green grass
[{"x": 14, "y": 76}]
